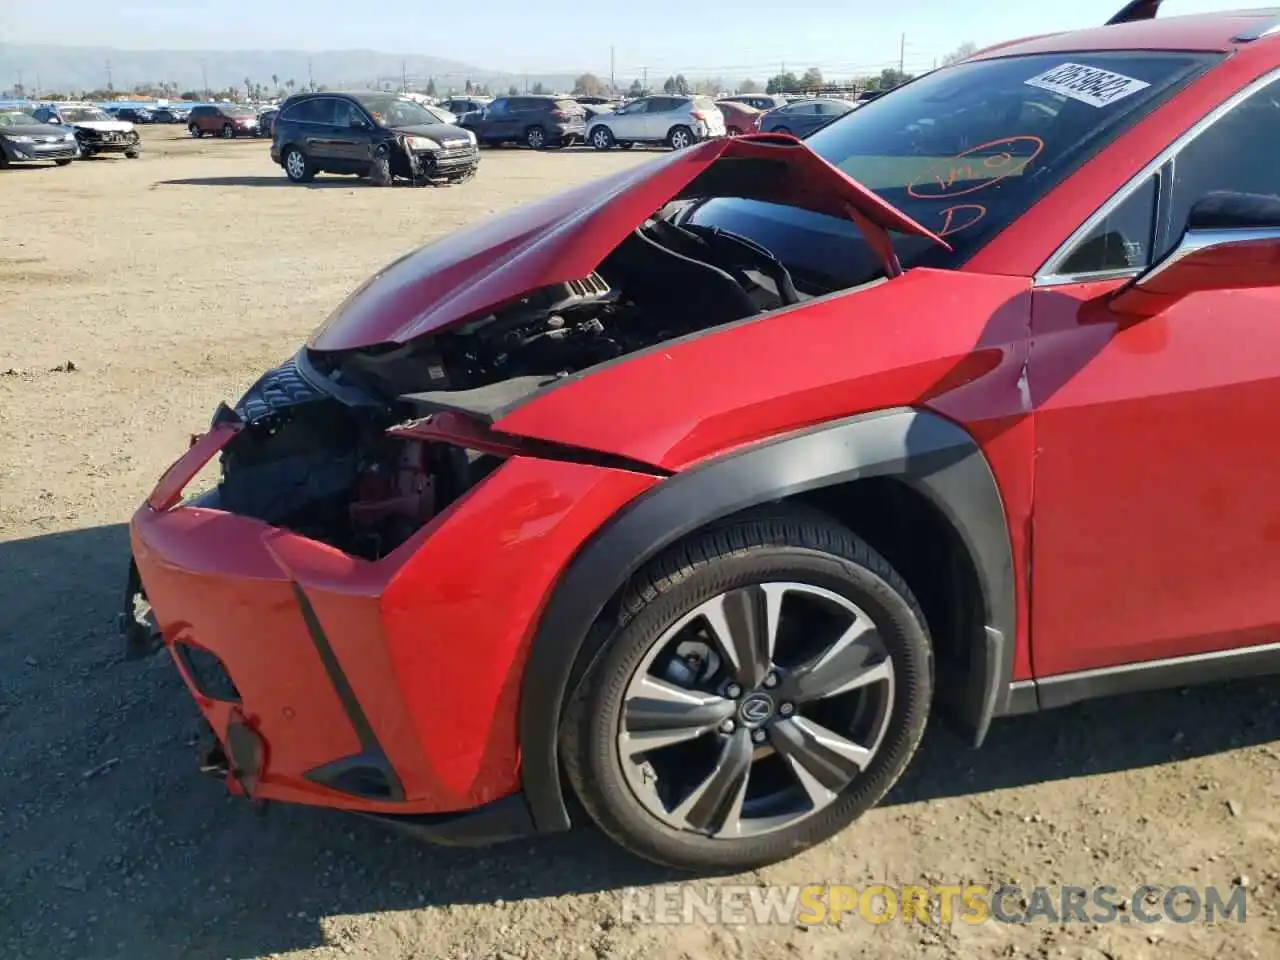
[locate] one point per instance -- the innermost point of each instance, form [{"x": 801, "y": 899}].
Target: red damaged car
[{"x": 692, "y": 492}]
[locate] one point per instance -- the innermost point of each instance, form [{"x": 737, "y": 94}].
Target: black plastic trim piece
[
  {"x": 1187, "y": 671},
  {"x": 1136, "y": 10},
  {"x": 371, "y": 754},
  {"x": 494, "y": 822},
  {"x": 932, "y": 454},
  {"x": 207, "y": 671}
]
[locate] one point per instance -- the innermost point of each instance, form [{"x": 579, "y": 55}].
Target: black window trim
[{"x": 1048, "y": 275}]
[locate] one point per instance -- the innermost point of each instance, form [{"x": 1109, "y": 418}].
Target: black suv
[
  {"x": 379, "y": 135},
  {"x": 539, "y": 121}
]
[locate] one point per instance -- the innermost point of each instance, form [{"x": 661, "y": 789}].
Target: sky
[{"x": 732, "y": 39}]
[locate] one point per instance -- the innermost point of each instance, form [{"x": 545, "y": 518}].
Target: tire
[
  {"x": 825, "y": 562},
  {"x": 228, "y": 132},
  {"x": 297, "y": 167},
  {"x": 626, "y": 144},
  {"x": 601, "y": 138},
  {"x": 679, "y": 138},
  {"x": 62, "y": 163},
  {"x": 195, "y": 131},
  {"x": 380, "y": 168},
  {"x": 536, "y": 138},
  {"x": 131, "y": 154}
]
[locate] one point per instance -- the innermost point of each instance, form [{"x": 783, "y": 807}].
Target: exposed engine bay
[{"x": 315, "y": 456}]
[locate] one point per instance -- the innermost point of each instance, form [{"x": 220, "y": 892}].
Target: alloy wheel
[
  {"x": 755, "y": 710},
  {"x": 295, "y": 165},
  {"x": 600, "y": 138},
  {"x": 535, "y": 138},
  {"x": 680, "y": 139}
]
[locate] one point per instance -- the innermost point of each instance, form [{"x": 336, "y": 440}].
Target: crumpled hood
[
  {"x": 105, "y": 126},
  {"x": 565, "y": 237},
  {"x": 439, "y": 132}
]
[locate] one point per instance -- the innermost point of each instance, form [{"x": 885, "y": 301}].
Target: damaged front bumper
[
  {"x": 449, "y": 164},
  {"x": 387, "y": 687}
]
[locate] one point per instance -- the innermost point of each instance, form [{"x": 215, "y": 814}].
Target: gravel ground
[{"x": 135, "y": 295}]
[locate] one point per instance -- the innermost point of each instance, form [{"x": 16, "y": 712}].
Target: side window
[
  {"x": 496, "y": 109},
  {"x": 1236, "y": 153},
  {"x": 319, "y": 110},
  {"x": 1122, "y": 241},
  {"x": 344, "y": 112}
]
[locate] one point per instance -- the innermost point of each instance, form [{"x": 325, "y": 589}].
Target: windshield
[
  {"x": 81, "y": 114},
  {"x": 16, "y": 118},
  {"x": 397, "y": 112},
  {"x": 965, "y": 151}
]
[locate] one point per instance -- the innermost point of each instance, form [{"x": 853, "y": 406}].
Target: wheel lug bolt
[
  {"x": 787, "y": 709},
  {"x": 728, "y": 726},
  {"x": 758, "y": 736},
  {"x": 771, "y": 680},
  {"x": 733, "y": 691}
]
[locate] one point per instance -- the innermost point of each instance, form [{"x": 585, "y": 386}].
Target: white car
[{"x": 678, "y": 121}]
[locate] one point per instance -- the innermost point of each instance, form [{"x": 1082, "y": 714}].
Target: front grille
[{"x": 59, "y": 153}]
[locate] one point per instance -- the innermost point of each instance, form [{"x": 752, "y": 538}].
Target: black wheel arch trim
[{"x": 930, "y": 453}]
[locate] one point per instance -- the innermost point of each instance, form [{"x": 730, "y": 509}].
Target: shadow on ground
[
  {"x": 143, "y": 858},
  {"x": 280, "y": 181}
]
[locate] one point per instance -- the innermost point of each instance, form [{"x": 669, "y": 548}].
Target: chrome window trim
[{"x": 1048, "y": 274}]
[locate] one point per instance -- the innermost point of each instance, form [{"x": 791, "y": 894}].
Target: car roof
[{"x": 1203, "y": 32}]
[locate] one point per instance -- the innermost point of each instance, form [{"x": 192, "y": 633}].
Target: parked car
[
  {"x": 379, "y": 135},
  {"x": 805, "y": 116},
  {"x": 460, "y": 106},
  {"x": 266, "y": 121},
  {"x": 866, "y": 96},
  {"x": 678, "y": 121},
  {"x": 223, "y": 120},
  {"x": 170, "y": 115},
  {"x": 440, "y": 113},
  {"x": 95, "y": 130},
  {"x": 24, "y": 139},
  {"x": 132, "y": 114},
  {"x": 535, "y": 120},
  {"x": 725, "y": 626},
  {"x": 739, "y": 118},
  {"x": 760, "y": 101}
]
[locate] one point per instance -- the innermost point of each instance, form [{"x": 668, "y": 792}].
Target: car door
[
  {"x": 1156, "y": 530},
  {"x": 315, "y": 118},
  {"x": 662, "y": 114},
  {"x": 353, "y": 132},
  {"x": 497, "y": 120},
  {"x": 627, "y": 122}
]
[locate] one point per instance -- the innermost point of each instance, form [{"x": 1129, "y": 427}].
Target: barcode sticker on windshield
[{"x": 1090, "y": 85}]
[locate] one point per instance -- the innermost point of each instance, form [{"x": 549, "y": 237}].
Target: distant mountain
[{"x": 74, "y": 69}]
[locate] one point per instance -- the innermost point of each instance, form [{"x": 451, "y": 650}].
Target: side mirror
[
  {"x": 1232, "y": 242},
  {"x": 359, "y": 123}
]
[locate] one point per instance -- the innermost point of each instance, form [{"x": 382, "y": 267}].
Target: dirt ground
[{"x": 168, "y": 284}]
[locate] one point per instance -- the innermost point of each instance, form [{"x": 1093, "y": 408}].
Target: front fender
[{"x": 930, "y": 453}]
